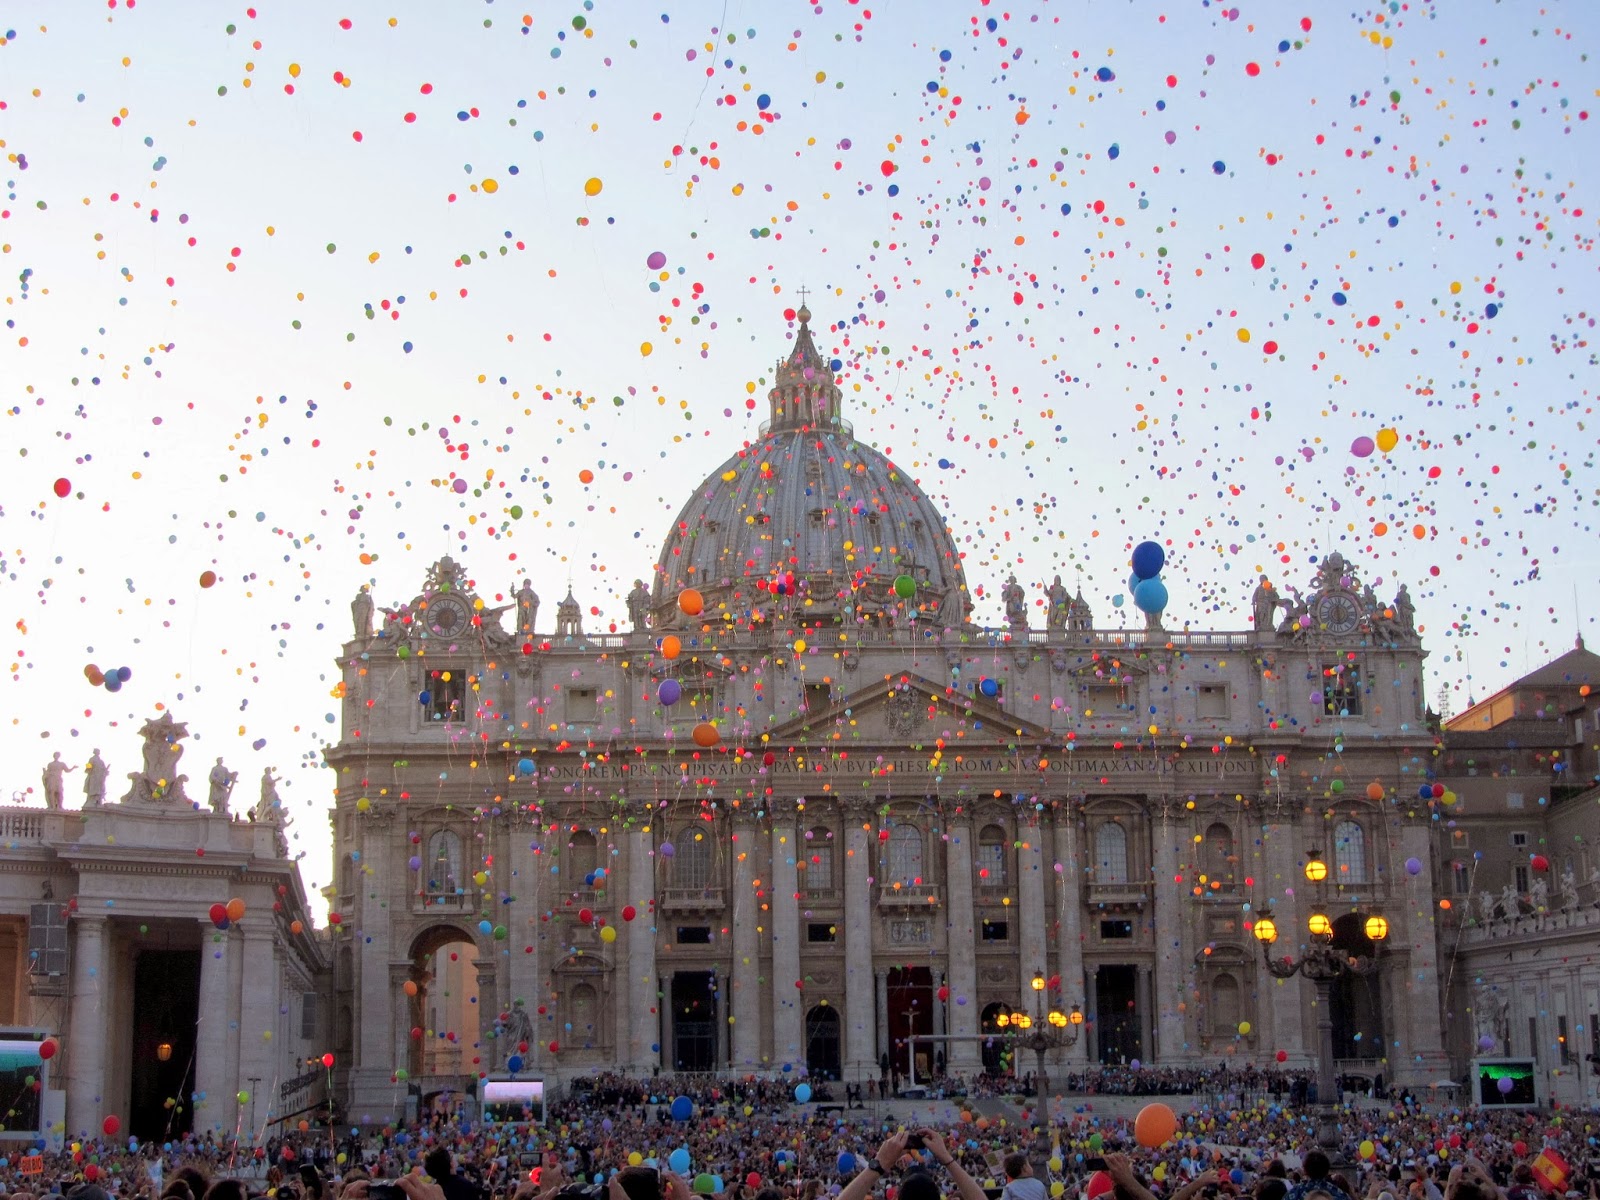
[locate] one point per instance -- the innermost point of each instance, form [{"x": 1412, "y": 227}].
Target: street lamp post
[{"x": 1323, "y": 964}]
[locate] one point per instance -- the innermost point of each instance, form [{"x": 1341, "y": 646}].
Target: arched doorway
[
  {"x": 444, "y": 1010},
  {"x": 822, "y": 1042},
  {"x": 1357, "y": 1008},
  {"x": 997, "y": 1057}
]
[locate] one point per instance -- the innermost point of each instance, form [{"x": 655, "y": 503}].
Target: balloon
[
  {"x": 1282, "y": 1056},
  {"x": 1362, "y": 447},
  {"x": 1388, "y": 439},
  {"x": 1154, "y": 1126},
  {"x": 1413, "y": 866},
  {"x": 1099, "y": 1184},
  {"x": 1505, "y": 1085},
  {"x": 111, "y": 1125},
  {"x": 802, "y": 1094},
  {"x": 846, "y": 1163},
  {"x": 656, "y": 261},
  {"x": 1374, "y": 791},
  {"x": 63, "y": 487},
  {"x": 989, "y": 687},
  {"x": 905, "y": 587},
  {"x": 410, "y": 987},
  {"x": 327, "y": 1061},
  {"x": 670, "y": 646},
  {"x": 1367, "y": 1149},
  {"x": 219, "y": 915},
  {"x": 1150, "y": 596},
  {"x": 691, "y": 602},
  {"x": 705, "y": 735},
  {"x": 682, "y": 1110},
  {"x": 242, "y": 1096},
  {"x": 608, "y": 934},
  {"x": 514, "y": 1063},
  {"x": 1539, "y": 862},
  {"x": 1486, "y": 1042},
  {"x": 235, "y": 909},
  {"x": 592, "y": 186},
  {"x": 704, "y": 1185},
  {"x": 296, "y": 928},
  {"x": 678, "y": 1160},
  {"x": 1244, "y": 1028},
  {"x": 669, "y": 693},
  {"x": 1148, "y": 559}
]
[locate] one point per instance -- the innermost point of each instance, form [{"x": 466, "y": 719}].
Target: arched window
[
  {"x": 1111, "y": 854},
  {"x": 1219, "y": 851},
  {"x": 1349, "y": 853},
  {"x": 818, "y": 855},
  {"x": 581, "y": 860},
  {"x": 442, "y": 870},
  {"x": 992, "y": 856},
  {"x": 905, "y": 854},
  {"x": 691, "y": 866},
  {"x": 347, "y": 875},
  {"x": 1224, "y": 1006}
]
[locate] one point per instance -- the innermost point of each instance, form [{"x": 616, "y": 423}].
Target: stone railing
[
  {"x": 1131, "y": 892},
  {"x": 915, "y": 895},
  {"x": 21, "y": 825},
  {"x": 691, "y": 899},
  {"x": 1555, "y": 920}
]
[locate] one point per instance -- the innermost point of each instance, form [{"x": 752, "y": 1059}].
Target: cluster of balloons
[
  {"x": 1149, "y": 593},
  {"x": 224, "y": 915},
  {"x": 111, "y": 680}
]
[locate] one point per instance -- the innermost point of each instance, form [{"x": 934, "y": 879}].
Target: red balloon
[
  {"x": 555, "y": 1047},
  {"x": 1283, "y": 1056},
  {"x": 219, "y": 915},
  {"x": 629, "y": 912},
  {"x": 111, "y": 1125},
  {"x": 48, "y": 1048},
  {"x": 63, "y": 487},
  {"x": 1099, "y": 1184},
  {"x": 1540, "y": 863},
  {"x": 327, "y": 1060},
  {"x": 586, "y": 915},
  {"x": 91, "y": 1172},
  {"x": 944, "y": 993},
  {"x": 1519, "y": 1148},
  {"x": 1438, "y": 790}
]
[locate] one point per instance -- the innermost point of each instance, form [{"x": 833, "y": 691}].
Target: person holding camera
[{"x": 917, "y": 1182}]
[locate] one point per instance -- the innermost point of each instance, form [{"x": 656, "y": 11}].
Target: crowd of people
[{"x": 747, "y": 1140}]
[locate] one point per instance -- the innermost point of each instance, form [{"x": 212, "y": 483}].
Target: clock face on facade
[
  {"x": 447, "y": 614},
  {"x": 1337, "y": 612}
]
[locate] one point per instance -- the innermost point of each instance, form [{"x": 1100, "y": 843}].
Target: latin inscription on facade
[{"x": 1068, "y": 766}]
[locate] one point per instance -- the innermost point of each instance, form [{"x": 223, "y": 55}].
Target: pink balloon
[
  {"x": 656, "y": 261},
  {"x": 1363, "y": 447}
]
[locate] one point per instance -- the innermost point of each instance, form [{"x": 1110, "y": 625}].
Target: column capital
[
  {"x": 858, "y": 808},
  {"x": 98, "y": 920}
]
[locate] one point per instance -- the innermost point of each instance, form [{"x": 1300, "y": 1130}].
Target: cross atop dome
[{"x": 804, "y": 395}]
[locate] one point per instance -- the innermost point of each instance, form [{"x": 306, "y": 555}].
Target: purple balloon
[
  {"x": 1363, "y": 447},
  {"x": 669, "y": 692},
  {"x": 656, "y": 261}
]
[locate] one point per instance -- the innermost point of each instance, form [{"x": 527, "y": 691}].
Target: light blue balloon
[
  {"x": 678, "y": 1160},
  {"x": 803, "y": 1093},
  {"x": 1150, "y": 596}
]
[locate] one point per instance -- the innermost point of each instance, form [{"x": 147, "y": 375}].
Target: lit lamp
[
  {"x": 1021, "y": 1021},
  {"x": 1319, "y": 925},
  {"x": 1316, "y": 868},
  {"x": 1002, "y": 1019},
  {"x": 1266, "y": 932},
  {"x": 1075, "y": 1017},
  {"x": 1377, "y": 928},
  {"x": 1038, "y": 981},
  {"x": 164, "y": 1052}
]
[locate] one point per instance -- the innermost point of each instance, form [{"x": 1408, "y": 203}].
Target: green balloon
[
  {"x": 905, "y": 587},
  {"x": 704, "y": 1185}
]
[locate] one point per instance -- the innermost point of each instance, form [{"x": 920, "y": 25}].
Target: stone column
[
  {"x": 489, "y": 1048},
  {"x": 403, "y": 1020},
  {"x": 1283, "y": 998},
  {"x": 1033, "y": 955},
  {"x": 669, "y": 1045},
  {"x": 940, "y": 1008},
  {"x": 370, "y": 1089},
  {"x": 1069, "y": 925},
  {"x": 86, "y": 1028},
  {"x": 640, "y": 956},
  {"x": 1172, "y": 984},
  {"x": 213, "y": 1073},
  {"x": 1148, "y": 1028},
  {"x": 747, "y": 922},
  {"x": 859, "y": 908},
  {"x": 1421, "y": 1056},
  {"x": 260, "y": 997},
  {"x": 965, "y": 1056},
  {"x": 788, "y": 1000},
  {"x": 881, "y": 977}
]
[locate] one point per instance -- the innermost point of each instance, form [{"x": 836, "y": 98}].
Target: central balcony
[
  {"x": 912, "y": 896},
  {"x": 692, "y": 900}
]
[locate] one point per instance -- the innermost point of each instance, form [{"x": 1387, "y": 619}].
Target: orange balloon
[
  {"x": 706, "y": 735},
  {"x": 586, "y": 476},
  {"x": 1374, "y": 790},
  {"x": 411, "y": 987},
  {"x": 691, "y": 602},
  {"x": 670, "y": 647},
  {"x": 235, "y": 909},
  {"x": 208, "y": 578},
  {"x": 296, "y": 928},
  {"x": 1154, "y": 1126}
]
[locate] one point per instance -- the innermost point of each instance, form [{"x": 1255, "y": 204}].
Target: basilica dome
[{"x": 805, "y": 524}]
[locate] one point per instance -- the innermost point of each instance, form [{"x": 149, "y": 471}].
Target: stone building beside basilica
[{"x": 806, "y": 815}]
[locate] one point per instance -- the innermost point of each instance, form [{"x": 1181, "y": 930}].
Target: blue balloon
[
  {"x": 682, "y": 1110},
  {"x": 669, "y": 692},
  {"x": 989, "y": 687},
  {"x": 485, "y": 927},
  {"x": 524, "y": 766},
  {"x": 424, "y": 697},
  {"x": 803, "y": 1093},
  {"x": 1150, "y": 596},
  {"x": 514, "y": 1063},
  {"x": 678, "y": 1160},
  {"x": 1148, "y": 559},
  {"x": 847, "y": 1162}
]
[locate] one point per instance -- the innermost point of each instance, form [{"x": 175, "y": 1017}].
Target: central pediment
[{"x": 908, "y": 710}]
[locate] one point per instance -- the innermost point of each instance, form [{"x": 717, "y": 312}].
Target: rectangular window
[
  {"x": 308, "y": 1016},
  {"x": 1521, "y": 877},
  {"x": 582, "y": 704},
  {"x": 819, "y": 869},
  {"x": 1115, "y": 931},
  {"x": 818, "y": 697},
  {"x": 1341, "y": 690},
  {"x": 996, "y": 931},
  {"x": 1519, "y": 840},
  {"x": 447, "y": 698},
  {"x": 694, "y": 935},
  {"x": 1514, "y": 800},
  {"x": 1461, "y": 875},
  {"x": 821, "y": 931},
  {"x": 1102, "y": 698},
  {"x": 1211, "y": 702},
  {"x": 991, "y": 864}
]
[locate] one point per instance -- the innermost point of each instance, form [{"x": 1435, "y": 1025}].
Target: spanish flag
[{"x": 1552, "y": 1172}]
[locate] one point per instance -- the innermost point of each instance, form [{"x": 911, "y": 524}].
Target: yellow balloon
[
  {"x": 491, "y": 186},
  {"x": 635, "y": 1159},
  {"x": 644, "y": 349},
  {"x": 1367, "y": 1149},
  {"x": 799, "y": 645},
  {"x": 1388, "y": 439},
  {"x": 1057, "y": 1187},
  {"x": 592, "y": 188},
  {"x": 1244, "y": 1028},
  {"x": 608, "y": 934}
]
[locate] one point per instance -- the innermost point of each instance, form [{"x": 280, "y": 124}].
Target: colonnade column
[
  {"x": 881, "y": 976},
  {"x": 859, "y": 1026},
  {"x": 1422, "y": 1054},
  {"x": 1282, "y": 997},
  {"x": 962, "y": 937},
  {"x": 746, "y": 1006},
  {"x": 639, "y": 957},
  {"x": 409, "y": 1012},
  {"x": 1069, "y": 924},
  {"x": 213, "y": 1073},
  {"x": 1172, "y": 972},
  {"x": 788, "y": 1020},
  {"x": 669, "y": 1041},
  {"x": 1032, "y": 948},
  {"x": 258, "y": 1014},
  {"x": 86, "y": 1030}
]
